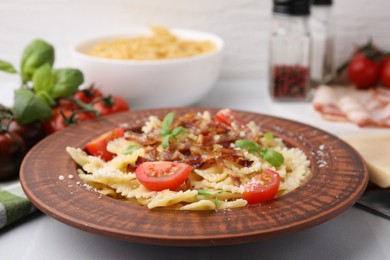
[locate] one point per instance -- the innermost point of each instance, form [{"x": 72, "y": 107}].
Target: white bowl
[{"x": 152, "y": 84}]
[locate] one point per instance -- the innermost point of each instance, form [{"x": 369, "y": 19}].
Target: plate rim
[{"x": 198, "y": 240}]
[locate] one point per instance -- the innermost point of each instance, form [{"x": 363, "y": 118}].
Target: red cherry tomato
[
  {"x": 112, "y": 105},
  {"x": 58, "y": 122},
  {"x": 161, "y": 175},
  {"x": 362, "y": 72},
  {"x": 262, "y": 187},
  {"x": 98, "y": 146},
  {"x": 88, "y": 95},
  {"x": 12, "y": 150},
  {"x": 385, "y": 73},
  {"x": 31, "y": 133},
  {"x": 227, "y": 117}
]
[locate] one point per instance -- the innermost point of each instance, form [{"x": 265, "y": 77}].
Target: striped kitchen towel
[{"x": 14, "y": 204}]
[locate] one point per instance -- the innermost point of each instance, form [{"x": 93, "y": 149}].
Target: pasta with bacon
[{"x": 225, "y": 158}]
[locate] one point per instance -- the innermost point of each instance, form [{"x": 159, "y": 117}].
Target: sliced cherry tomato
[
  {"x": 98, "y": 146},
  {"x": 111, "y": 105},
  {"x": 161, "y": 175},
  {"x": 363, "y": 72},
  {"x": 262, "y": 187},
  {"x": 227, "y": 117},
  {"x": 88, "y": 95},
  {"x": 385, "y": 73}
]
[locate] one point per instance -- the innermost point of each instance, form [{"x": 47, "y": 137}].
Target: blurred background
[{"x": 243, "y": 24}]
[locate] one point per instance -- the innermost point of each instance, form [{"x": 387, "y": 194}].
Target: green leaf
[
  {"x": 217, "y": 198},
  {"x": 206, "y": 193},
  {"x": 35, "y": 54},
  {"x": 251, "y": 146},
  {"x": 7, "y": 67},
  {"x": 166, "y": 124},
  {"x": 44, "y": 79},
  {"x": 45, "y": 97},
  {"x": 269, "y": 135},
  {"x": 177, "y": 131},
  {"x": 29, "y": 108},
  {"x": 165, "y": 141},
  {"x": 68, "y": 82},
  {"x": 130, "y": 149},
  {"x": 273, "y": 157}
]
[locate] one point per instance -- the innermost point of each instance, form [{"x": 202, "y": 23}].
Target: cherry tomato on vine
[
  {"x": 63, "y": 118},
  {"x": 161, "y": 175},
  {"x": 12, "y": 150},
  {"x": 88, "y": 95},
  {"x": 31, "y": 133},
  {"x": 111, "y": 105},
  {"x": 98, "y": 146},
  {"x": 385, "y": 73},
  {"x": 262, "y": 187},
  {"x": 363, "y": 72}
]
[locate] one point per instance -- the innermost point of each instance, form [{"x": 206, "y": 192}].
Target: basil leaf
[
  {"x": 7, "y": 67},
  {"x": 263, "y": 150},
  {"x": 206, "y": 193},
  {"x": 269, "y": 135},
  {"x": 36, "y": 53},
  {"x": 130, "y": 149},
  {"x": 43, "y": 79},
  {"x": 166, "y": 124},
  {"x": 45, "y": 97},
  {"x": 177, "y": 131},
  {"x": 28, "y": 107},
  {"x": 165, "y": 141},
  {"x": 217, "y": 198},
  {"x": 251, "y": 146},
  {"x": 68, "y": 81},
  {"x": 273, "y": 157}
]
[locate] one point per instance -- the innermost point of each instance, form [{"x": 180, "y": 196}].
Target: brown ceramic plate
[{"x": 338, "y": 179}]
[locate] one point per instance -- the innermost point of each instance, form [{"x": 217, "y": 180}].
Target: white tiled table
[{"x": 355, "y": 234}]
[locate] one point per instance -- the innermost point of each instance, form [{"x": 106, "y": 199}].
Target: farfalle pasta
[{"x": 194, "y": 162}]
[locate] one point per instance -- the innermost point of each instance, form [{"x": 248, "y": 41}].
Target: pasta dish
[{"x": 196, "y": 161}]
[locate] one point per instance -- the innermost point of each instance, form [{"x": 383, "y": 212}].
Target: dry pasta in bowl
[{"x": 193, "y": 162}]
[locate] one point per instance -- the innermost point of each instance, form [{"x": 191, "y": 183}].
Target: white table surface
[{"x": 355, "y": 234}]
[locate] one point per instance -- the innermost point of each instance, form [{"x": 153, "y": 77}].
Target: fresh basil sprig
[
  {"x": 41, "y": 84},
  {"x": 273, "y": 157},
  {"x": 166, "y": 132}
]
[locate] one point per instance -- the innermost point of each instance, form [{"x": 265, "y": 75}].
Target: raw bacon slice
[
  {"x": 362, "y": 107},
  {"x": 355, "y": 111}
]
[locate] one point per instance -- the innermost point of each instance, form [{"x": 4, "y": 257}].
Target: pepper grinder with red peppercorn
[{"x": 289, "y": 58}]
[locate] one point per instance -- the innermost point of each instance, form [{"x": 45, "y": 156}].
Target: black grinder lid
[{"x": 292, "y": 7}]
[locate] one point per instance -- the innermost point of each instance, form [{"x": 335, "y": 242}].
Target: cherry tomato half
[
  {"x": 161, "y": 175},
  {"x": 98, "y": 146},
  {"x": 363, "y": 72},
  {"x": 262, "y": 187},
  {"x": 115, "y": 105},
  {"x": 227, "y": 117}
]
